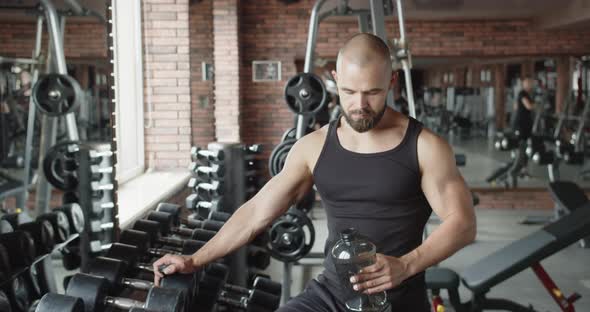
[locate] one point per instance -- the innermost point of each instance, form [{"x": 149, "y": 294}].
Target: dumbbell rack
[
  {"x": 98, "y": 200},
  {"x": 235, "y": 181}
]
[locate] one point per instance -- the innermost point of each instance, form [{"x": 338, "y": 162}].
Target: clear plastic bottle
[{"x": 350, "y": 254}]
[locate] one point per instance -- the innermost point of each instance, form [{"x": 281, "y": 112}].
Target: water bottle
[{"x": 350, "y": 254}]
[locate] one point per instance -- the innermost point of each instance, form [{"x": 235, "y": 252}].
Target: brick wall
[
  {"x": 279, "y": 32},
  {"x": 226, "y": 55},
  {"x": 201, "y": 50},
  {"x": 536, "y": 198},
  {"x": 167, "y": 83},
  {"x": 81, "y": 40}
]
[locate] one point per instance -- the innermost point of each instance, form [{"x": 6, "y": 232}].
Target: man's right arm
[{"x": 284, "y": 189}]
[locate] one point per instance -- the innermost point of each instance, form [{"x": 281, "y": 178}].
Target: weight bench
[
  {"x": 568, "y": 196},
  {"x": 524, "y": 253}
]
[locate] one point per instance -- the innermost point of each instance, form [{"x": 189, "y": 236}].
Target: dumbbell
[
  {"x": 4, "y": 303},
  {"x": 98, "y": 208},
  {"x": 212, "y": 214},
  {"x": 99, "y": 190},
  {"x": 114, "y": 271},
  {"x": 160, "y": 230},
  {"x": 265, "y": 295},
  {"x": 206, "y": 190},
  {"x": 144, "y": 242},
  {"x": 132, "y": 255},
  {"x": 12, "y": 261},
  {"x": 204, "y": 210},
  {"x": 93, "y": 291},
  {"x": 97, "y": 157},
  {"x": 10, "y": 221},
  {"x": 213, "y": 171},
  {"x": 5, "y": 267},
  {"x": 253, "y": 149},
  {"x": 59, "y": 221},
  {"x": 204, "y": 155},
  {"x": 41, "y": 232},
  {"x": 52, "y": 302},
  {"x": 5, "y": 226},
  {"x": 75, "y": 216},
  {"x": 97, "y": 172},
  {"x": 193, "y": 202},
  {"x": 258, "y": 257},
  {"x": 167, "y": 227}
]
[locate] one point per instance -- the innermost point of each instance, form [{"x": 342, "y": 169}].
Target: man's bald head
[{"x": 364, "y": 50}]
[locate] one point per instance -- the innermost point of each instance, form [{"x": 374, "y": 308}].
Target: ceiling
[
  {"x": 25, "y": 10},
  {"x": 545, "y": 13}
]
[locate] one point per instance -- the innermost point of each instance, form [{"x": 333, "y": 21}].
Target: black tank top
[{"x": 379, "y": 194}]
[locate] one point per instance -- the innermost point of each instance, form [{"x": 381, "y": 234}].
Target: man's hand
[
  {"x": 170, "y": 264},
  {"x": 386, "y": 273}
]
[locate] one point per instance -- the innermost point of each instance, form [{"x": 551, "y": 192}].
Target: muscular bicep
[
  {"x": 442, "y": 182},
  {"x": 287, "y": 187}
]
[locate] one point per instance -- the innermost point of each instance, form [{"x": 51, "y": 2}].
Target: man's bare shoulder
[
  {"x": 434, "y": 151},
  {"x": 431, "y": 142},
  {"x": 314, "y": 141},
  {"x": 310, "y": 146}
]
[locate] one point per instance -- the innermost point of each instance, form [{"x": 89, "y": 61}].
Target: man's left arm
[{"x": 450, "y": 199}]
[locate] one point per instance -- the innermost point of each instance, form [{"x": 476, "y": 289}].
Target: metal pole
[
  {"x": 363, "y": 23},
  {"x": 286, "y": 293},
  {"x": 405, "y": 61},
  {"x": 302, "y": 121},
  {"x": 57, "y": 45},
  {"x": 378, "y": 22},
  {"x": 311, "y": 36},
  {"x": 18, "y": 60},
  {"x": 48, "y": 137},
  {"x": 32, "y": 115}
]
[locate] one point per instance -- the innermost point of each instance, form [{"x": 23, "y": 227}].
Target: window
[{"x": 128, "y": 69}]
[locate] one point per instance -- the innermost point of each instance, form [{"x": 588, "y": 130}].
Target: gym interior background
[{"x": 110, "y": 108}]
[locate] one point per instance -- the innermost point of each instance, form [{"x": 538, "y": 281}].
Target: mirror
[
  {"x": 472, "y": 103},
  {"x": 77, "y": 108}
]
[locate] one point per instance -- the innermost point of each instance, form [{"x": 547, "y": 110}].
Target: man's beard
[{"x": 366, "y": 123}]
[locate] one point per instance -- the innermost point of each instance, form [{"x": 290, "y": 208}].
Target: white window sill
[{"x": 146, "y": 191}]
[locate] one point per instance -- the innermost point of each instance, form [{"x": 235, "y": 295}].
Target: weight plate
[
  {"x": 291, "y": 236},
  {"x": 290, "y": 134},
  {"x": 4, "y": 303},
  {"x": 20, "y": 293},
  {"x": 305, "y": 94},
  {"x": 57, "y": 94},
  {"x": 277, "y": 158},
  {"x": 53, "y": 166}
]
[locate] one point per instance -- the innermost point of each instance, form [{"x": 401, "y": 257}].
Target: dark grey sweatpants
[{"x": 317, "y": 297}]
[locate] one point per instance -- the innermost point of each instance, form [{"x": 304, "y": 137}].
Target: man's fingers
[
  {"x": 375, "y": 267},
  {"x": 168, "y": 269},
  {"x": 158, "y": 275},
  {"x": 361, "y": 277},
  {"x": 372, "y": 283},
  {"x": 383, "y": 287}
]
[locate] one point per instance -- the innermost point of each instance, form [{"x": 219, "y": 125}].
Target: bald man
[{"x": 376, "y": 170}]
